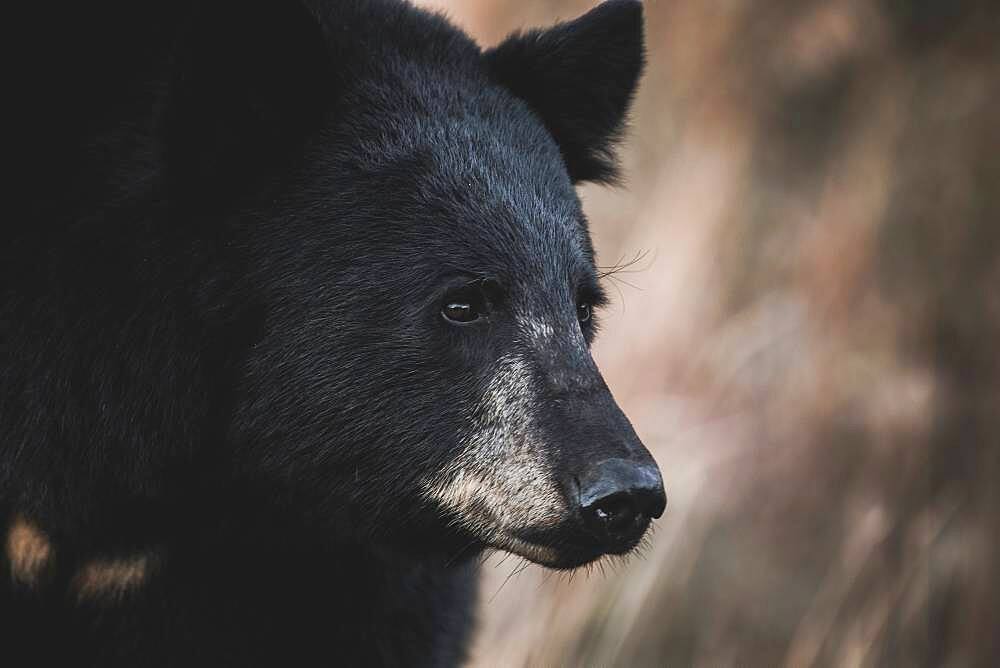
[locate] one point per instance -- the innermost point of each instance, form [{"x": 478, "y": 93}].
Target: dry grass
[{"x": 806, "y": 345}]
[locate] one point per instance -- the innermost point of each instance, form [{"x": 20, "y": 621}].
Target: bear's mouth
[{"x": 570, "y": 547}]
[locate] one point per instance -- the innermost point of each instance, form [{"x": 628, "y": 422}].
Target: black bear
[{"x": 295, "y": 316}]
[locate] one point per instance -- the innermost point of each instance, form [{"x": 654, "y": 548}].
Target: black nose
[{"x": 618, "y": 497}]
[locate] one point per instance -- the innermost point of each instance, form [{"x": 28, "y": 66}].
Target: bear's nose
[{"x": 618, "y": 497}]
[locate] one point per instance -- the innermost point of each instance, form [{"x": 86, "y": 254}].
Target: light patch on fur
[
  {"x": 538, "y": 331},
  {"x": 540, "y": 554},
  {"x": 501, "y": 482},
  {"x": 29, "y": 552},
  {"x": 110, "y": 580}
]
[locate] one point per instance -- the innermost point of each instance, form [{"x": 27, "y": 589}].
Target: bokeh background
[{"x": 804, "y": 332}]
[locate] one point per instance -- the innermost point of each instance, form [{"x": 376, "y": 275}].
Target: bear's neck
[{"x": 221, "y": 596}]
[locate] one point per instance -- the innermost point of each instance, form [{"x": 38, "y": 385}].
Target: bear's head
[{"x": 403, "y": 206}]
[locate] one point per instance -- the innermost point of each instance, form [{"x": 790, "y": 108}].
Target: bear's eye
[
  {"x": 460, "y": 312},
  {"x": 464, "y": 306},
  {"x": 583, "y": 311}
]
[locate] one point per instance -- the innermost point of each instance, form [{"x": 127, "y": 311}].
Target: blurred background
[{"x": 804, "y": 334}]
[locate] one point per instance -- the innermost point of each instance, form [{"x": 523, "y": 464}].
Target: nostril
[{"x": 613, "y": 514}]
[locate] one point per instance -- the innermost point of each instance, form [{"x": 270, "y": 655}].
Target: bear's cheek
[{"x": 502, "y": 480}]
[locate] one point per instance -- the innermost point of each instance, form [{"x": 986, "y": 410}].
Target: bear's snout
[{"x": 617, "y": 500}]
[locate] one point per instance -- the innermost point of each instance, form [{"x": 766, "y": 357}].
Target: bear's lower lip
[
  {"x": 554, "y": 549},
  {"x": 561, "y": 559}
]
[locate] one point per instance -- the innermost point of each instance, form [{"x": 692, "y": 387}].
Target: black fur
[
  {"x": 579, "y": 77},
  {"x": 219, "y": 334}
]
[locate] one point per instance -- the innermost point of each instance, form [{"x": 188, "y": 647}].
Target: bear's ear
[
  {"x": 579, "y": 77},
  {"x": 251, "y": 82}
]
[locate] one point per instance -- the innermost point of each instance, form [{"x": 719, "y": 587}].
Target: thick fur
[
  {"x": 234, "y": 427},
  {"x": 579, "y": 77}
]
